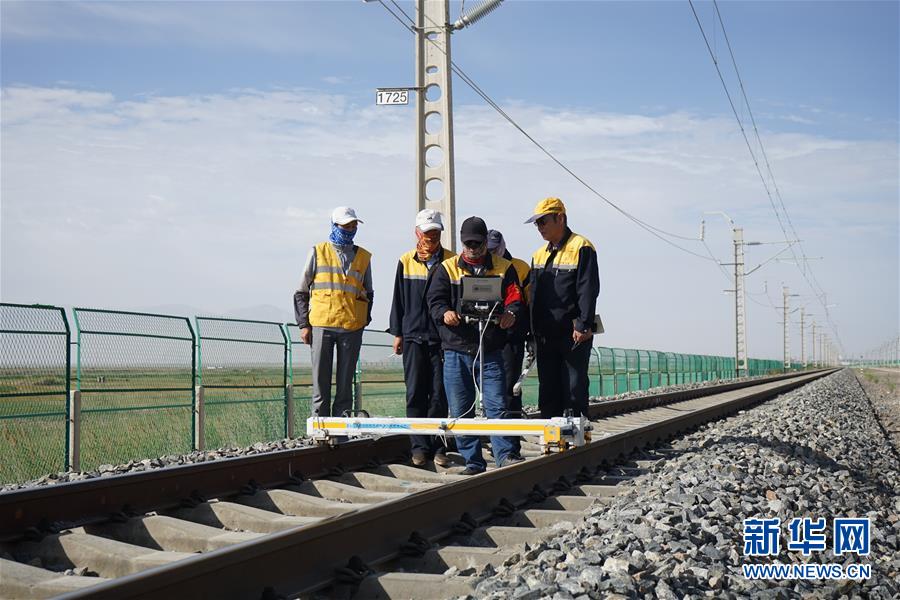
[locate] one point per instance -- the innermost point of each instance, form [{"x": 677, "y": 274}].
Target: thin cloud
[
  {"x": 214, "y": 200},
  {"x": 281, "y": 29}
]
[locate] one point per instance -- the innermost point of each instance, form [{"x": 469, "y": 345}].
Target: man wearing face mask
[
  {"x": 332, "y": 305},
  {"x": 460, "y": 340},
  {"x": 416, "y": 337}
]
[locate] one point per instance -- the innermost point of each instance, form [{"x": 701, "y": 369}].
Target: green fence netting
[
  {"x": 243, "y": 369},
  {"x": 135, "y": 372},
  {"x": 380, "y": 385},
  {"x": 139, "y": 376},
  {"x": 34, "y": 390}
]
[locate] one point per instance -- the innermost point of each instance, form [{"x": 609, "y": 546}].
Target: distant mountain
[
  {"x": 259, "y": 312},
  {"x": 262, "y": 312},
  {"x": 178, "y": 310}
]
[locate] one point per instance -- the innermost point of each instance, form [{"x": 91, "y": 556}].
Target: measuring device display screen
[{"x": 482, "y": 289}]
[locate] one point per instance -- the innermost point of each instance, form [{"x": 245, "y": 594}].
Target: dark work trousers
[
  {"x": 348, "y": 344},
  {"x": 425, "y": 395},
  {"x": 513, "y": 355},
  {"x": 562, "y": 376}
]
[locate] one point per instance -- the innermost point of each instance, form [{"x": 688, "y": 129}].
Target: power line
[
  {"x": 805, "y": 269},
  {"x": 651, "y": 229}
]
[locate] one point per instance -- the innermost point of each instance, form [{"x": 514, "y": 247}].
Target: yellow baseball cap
[{"x": 547, "y": 206}]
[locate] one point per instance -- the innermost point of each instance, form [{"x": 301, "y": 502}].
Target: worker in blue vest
[
  {"x": 332, "y": 305},
  {"x": 564, "y": 285},
  {"x": 460, "y": 339},
  {"x": 416, "y": 337}
]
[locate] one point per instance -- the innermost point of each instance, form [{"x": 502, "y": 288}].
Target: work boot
[
  {"x": 472, "y": 471},
  {"x": 442, "y": 460},
  {"x": 511, "y": 460},
  {"x": 419, "y": 459}
]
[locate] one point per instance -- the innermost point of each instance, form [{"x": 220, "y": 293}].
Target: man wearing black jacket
[
  {"x": 460, "y": 339},
  {"x": 564, "y": 284},
  {"x": 416, "y": 337}
]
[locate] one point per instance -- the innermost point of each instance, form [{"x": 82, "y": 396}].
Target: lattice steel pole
[
  {"x": 740, "y": 320},
  {"x": 434, "y": 115},
  {"x": 786, "y": 366},
  {"x": 803, "y": 337},
  {"x": 812, "y": 345},
  {"x": 822, "y": 349}
]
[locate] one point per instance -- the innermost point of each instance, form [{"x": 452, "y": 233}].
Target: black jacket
[
  {"x": 443, "y": 293},
  {"x": 564, "y": 285},
  {"x": 409, "y": 312}
]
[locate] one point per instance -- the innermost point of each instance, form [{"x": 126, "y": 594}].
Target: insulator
[{"x": 476, "y": 13}]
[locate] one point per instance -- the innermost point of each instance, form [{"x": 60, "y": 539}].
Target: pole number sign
[{"x": 392, "y": 97}]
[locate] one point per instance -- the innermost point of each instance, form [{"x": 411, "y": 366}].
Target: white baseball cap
[
  {"x": 343, "y": 215},
  {"x": 428, "y": 220}
]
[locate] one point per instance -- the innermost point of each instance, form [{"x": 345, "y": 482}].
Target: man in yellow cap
[{"x": 564, "y": 284}]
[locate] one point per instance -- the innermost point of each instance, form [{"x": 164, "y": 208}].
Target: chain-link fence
[
  {"x": 135, "y": 374},
  {"x": 34, "y": 390},
  {"x": 300, "y": 376},
  {"x": 147, "y": 385},
  {"x": 243, "y": 374}
]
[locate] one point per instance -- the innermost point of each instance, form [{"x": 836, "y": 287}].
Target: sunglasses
[
  {"x": 543, "y": 221},
  {"x": 472, "y": 244}
]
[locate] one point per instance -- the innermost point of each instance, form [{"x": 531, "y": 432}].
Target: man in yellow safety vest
[{"x": 332, "y": 305}]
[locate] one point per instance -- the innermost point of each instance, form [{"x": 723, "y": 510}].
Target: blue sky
[{"x": 133, "y": 131}]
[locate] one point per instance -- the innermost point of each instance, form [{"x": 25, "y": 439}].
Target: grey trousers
[{"x": 323, "y": 344}]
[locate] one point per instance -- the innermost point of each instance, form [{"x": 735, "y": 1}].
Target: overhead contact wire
[{"x": 655, "y": 231}]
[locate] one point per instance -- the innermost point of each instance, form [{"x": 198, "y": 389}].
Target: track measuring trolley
[{"x": 480, "y": 299}]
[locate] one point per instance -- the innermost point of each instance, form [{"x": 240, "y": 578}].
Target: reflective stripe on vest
[
  {"x": 456, "y": 273},
  {"x": 567, "y": 257},
  {"x": 522, "y": 268},
  {"x": 339, "y": 299},
  {"x": 413, "y": 269}
]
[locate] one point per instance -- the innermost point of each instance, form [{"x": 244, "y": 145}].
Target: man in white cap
[
  {"x": 332, "y": 305},
  {"x": 416, "y": 337}
]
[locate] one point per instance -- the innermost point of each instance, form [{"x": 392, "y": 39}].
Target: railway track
[{"x": 331, "y": 521}]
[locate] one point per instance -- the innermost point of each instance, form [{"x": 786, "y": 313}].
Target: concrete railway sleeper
[{"x": 357, "y": 526}]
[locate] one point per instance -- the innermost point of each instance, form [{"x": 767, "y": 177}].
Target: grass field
[{"x": 132, "y": 414}]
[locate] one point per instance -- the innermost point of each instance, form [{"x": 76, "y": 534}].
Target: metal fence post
[
  {"x": 199, "y": 419},
  {"x": 357, "y": 387},
  {"x": 67, "y": 453},
  {"x": 196, "y": 434},
  {"x": 289, "y": 407},
  {"x": 287, "y": 377},
  {"x": 73, "y": 431}
]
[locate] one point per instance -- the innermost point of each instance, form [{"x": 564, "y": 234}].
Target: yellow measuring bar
[{"x": 558, "y": 432}]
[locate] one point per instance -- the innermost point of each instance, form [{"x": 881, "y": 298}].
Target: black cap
[{"x": 473, "y": 230}]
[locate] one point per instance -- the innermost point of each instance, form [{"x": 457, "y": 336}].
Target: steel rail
[
  {"x": 304, "y": 559},
  {"x": 92, "y": 500},
  {"x": 86, "y": 501}
]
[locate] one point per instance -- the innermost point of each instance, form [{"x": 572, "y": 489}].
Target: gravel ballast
[
  {"x": 883, "y": 389},
  {"x": 677, "y": 532}
]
